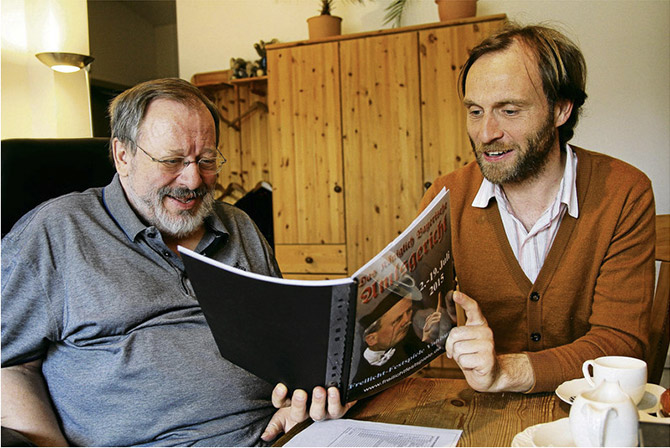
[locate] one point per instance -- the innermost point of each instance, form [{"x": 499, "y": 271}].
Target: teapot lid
[{"x": 607, "y": 391}]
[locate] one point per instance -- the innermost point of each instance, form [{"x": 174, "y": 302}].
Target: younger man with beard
[
  {"x": 103, "y": 341},
  {"x": 553, "y": 245}
]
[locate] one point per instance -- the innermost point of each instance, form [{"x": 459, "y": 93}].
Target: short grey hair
[{"x": 128, "y": 109}]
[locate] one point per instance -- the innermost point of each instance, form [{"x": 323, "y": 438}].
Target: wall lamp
[{"x": 65, "y": 62}]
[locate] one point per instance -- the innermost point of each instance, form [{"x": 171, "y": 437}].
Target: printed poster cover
[{"x": 404, "y": 308}]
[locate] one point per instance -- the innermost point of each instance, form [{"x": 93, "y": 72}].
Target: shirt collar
[
  {"x": 378, "y": 357},
  {"x": 569, "y": 190},
  {"x": 117, "y": 204},
  {"x": 216, "y": 234},
  {"x": 114, "y": 198},
  {"x": 567, "y": 193}
]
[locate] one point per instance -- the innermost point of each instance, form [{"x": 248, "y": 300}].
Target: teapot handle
[{"x": 597, "y": 419}]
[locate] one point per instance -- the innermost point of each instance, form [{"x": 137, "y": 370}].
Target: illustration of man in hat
[{"x": 389, "y": 335}]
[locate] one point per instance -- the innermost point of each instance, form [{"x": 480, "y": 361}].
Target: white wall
[
  {"x": 36, "y": 101},
  {"x": 626, "y": 44}
]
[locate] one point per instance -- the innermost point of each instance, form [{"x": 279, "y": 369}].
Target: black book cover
[{"x": 361, "y": 334}]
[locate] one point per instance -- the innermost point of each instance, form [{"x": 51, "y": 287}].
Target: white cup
[{"x": 631, "y": 373}]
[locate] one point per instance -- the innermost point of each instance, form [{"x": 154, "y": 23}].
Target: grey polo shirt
[{"x": 127, "y": 354}]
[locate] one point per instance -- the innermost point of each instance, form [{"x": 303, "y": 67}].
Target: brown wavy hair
[{"x": 560, "y": 63}]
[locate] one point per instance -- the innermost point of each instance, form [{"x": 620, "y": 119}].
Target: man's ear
[
  {"x": 122, "y": 157},
  {"x": 371, "y": 339},
  {"x": 562, "y": 111}
]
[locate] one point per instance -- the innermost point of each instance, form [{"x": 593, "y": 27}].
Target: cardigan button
[
  {"x": 534, "y": 296},
  {"x": 535, "y": 337}
]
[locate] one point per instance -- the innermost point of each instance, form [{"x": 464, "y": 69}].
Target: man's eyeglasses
[{"x": 175, "y": 165}]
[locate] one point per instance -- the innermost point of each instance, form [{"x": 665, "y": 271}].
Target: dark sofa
[{"x": 36, "y": 169}]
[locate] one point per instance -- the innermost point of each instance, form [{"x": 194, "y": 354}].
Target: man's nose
[
  {"x": 490, "y": 129},
  {"x": 190, "y": 176}
]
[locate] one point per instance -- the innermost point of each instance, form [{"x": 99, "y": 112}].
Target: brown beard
[{"x": 530, "y": 163}]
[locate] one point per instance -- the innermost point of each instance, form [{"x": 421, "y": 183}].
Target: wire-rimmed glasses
[{"x": 175, "y": 165}]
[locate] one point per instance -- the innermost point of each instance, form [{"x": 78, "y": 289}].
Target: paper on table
[{"x": 354, "y": 433}]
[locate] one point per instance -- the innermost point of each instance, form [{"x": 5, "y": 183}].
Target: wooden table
[{"x": 486, "y": 419}]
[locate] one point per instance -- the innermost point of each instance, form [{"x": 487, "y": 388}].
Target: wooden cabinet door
[
  {"x": 443, "y": 51},
  {"x": 229, "y": 142},
  {"x": 244, "y": 142},
  {"x": 381, "y": 140},
  {"x": 253, "y": 128},
  {"x": 305, "y": 134}
]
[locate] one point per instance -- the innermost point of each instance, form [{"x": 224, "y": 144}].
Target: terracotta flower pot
[
  {"x": 456, "y": 9},
  {"x": 324, "y": 25}
]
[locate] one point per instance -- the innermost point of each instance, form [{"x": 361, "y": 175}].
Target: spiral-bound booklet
[{"x": 361, "y": 334}]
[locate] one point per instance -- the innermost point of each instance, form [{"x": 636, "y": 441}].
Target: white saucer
[
  {"x": 545, "y": 434},
  {"x": 648, "y": 407}
]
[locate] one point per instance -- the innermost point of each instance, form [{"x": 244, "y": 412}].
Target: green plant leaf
[
  {"x": 327, "y": 6},
  {"x": 394, "y": 12}
]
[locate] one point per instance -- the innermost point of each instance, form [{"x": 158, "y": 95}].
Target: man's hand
[
  {"x": 324, "y": 406},
  {"x": 26, "y": 405},
  {"x": 473, "y": 349}
]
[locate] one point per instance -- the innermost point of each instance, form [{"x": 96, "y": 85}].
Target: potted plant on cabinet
[
  {"x": 456, "y": 9},
  {"x": 325, "y": 24},
  {"x": 446, "y": 9}
]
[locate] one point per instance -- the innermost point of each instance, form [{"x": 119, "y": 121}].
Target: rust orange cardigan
[{"x": 593, "y": 295}]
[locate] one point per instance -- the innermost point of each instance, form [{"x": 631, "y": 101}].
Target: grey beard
[
  {"x": 176, "y": 226},
  {"x": 185, "y": 223}
]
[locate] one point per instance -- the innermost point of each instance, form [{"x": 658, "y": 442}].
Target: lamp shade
[{"x": 65, "y": 62}]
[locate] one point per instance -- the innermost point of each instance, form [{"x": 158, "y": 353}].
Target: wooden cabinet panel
[
  {"x": 310, "y": 259},
  {"x": 304, "y": 100},
  {"x": 243, "y": 130},
  {"x": 254, "y": 135},
  {"x": 381, "y": 140},
  {"x": 229, "y": 141},
  {"x": 443, "y": 52}
]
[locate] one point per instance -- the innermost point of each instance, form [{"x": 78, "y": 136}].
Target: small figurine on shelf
[
  {"x": 260, "y": 49},
  {"x": 238, "y": 68},
  {"x": 241, "y": 68},
  {"x": 254, "y": 69}
]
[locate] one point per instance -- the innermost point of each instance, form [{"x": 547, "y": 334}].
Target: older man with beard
[
  {"x": 553, "y": 245},
  {"x": 103, "y": 341}
]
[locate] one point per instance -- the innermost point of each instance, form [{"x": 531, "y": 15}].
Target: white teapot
[{"x": 604, "y": 416}]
